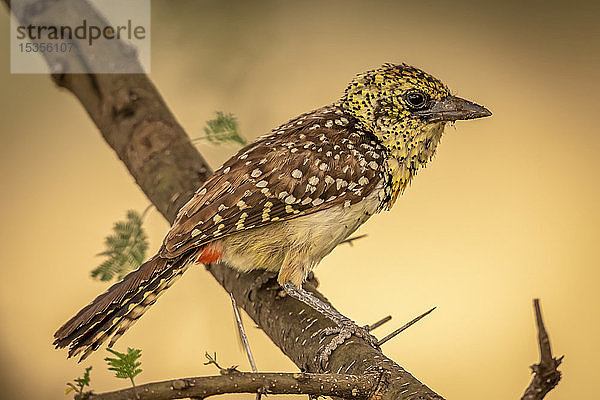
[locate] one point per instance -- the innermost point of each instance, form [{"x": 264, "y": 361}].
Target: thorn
[
  {"x": 543, "y": 339},
  {"x": 547, "y": 360},
  {"x": 546, "y": 373},
  {"x": 404, "y": 327},
  {"x": 352, "y": 239},
  {"x": 378, "y": 323},
  {"x": 242, "y": 332}
]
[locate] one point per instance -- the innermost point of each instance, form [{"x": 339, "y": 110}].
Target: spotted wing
[{"x": 307, "y": 165}]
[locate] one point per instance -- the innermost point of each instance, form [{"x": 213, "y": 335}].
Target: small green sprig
[
  {"x": 126, "y": 365},
  {"x": 213, "y": 360},
  {"x": 80, "y": 383},
  {"x": 222, "y": 129},
  {"x": 125, "y": 248}
]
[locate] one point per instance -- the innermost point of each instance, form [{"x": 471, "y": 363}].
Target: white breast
[{"x": 299, "y": 243}]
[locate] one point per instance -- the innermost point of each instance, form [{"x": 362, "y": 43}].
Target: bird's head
[{"x": 407, "y": 109}]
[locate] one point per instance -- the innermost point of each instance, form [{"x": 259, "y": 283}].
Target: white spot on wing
[{"x": 290, "y": 199}]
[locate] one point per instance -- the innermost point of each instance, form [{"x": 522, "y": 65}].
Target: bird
[{"x": 287, "y": 200}]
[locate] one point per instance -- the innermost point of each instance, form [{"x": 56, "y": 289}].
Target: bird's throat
[{"x": 408, "y": 151}]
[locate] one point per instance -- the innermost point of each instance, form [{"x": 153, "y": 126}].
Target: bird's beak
[{"x": 453, "y": 108}]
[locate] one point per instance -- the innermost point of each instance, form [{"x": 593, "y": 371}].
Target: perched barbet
[{"x": 287, "y": 200}]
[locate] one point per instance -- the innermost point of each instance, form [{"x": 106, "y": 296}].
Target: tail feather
[
  {"x": 122, "y": 319},
  {"x": 114, "y": 311}
]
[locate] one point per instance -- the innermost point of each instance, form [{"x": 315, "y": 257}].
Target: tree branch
[
  {"x": 136, "y": 123},
  {"x": 346, "y": 386},
  {"x": 545, "y": 374},
  {"x": 369, "y": 386}
]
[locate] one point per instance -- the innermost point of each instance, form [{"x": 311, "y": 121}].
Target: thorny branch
[
  {"x": 134, "y": 120},
  {"x": 367, "y": 386}
]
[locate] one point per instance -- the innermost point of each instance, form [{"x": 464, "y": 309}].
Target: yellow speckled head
[
  {"x": 392, "y": 90},
  {"x": 407, "y": 109}
]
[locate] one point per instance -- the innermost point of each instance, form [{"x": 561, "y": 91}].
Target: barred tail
[{"x": 115, "y": 310}]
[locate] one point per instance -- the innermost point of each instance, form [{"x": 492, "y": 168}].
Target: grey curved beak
[{"x": 453, "y": 108}]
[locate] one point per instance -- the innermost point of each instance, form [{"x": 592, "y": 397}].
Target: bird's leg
[{"x": 345, "y": 326}]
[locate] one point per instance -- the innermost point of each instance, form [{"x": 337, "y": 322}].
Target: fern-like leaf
[
  {"x": 223, "y": 129},
  {"x": 125, "y": 248},
  {"x": 126, "y": 365},
  {"x": 80, "y": 383}
]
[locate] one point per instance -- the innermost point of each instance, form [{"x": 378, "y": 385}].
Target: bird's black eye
[{"x": 416, "y": 100}]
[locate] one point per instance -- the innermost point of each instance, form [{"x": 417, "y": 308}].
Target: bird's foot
[{"x": 343, "y": 331}]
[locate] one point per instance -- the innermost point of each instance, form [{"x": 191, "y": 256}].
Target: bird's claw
[{"x": 343, "y": 331}]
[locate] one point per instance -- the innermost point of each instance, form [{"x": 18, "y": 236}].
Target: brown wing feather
[{"x": 316, "y": 161}]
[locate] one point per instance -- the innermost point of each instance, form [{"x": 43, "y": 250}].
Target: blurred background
[{"x": 506, "y": 212}]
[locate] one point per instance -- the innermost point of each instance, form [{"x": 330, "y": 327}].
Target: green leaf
[
  {"x": 223, "y": 129},
  {"x": 80, "y": 383},
  {"x": 125, "y": 248},
  {"x": 125, "y": 365}
]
